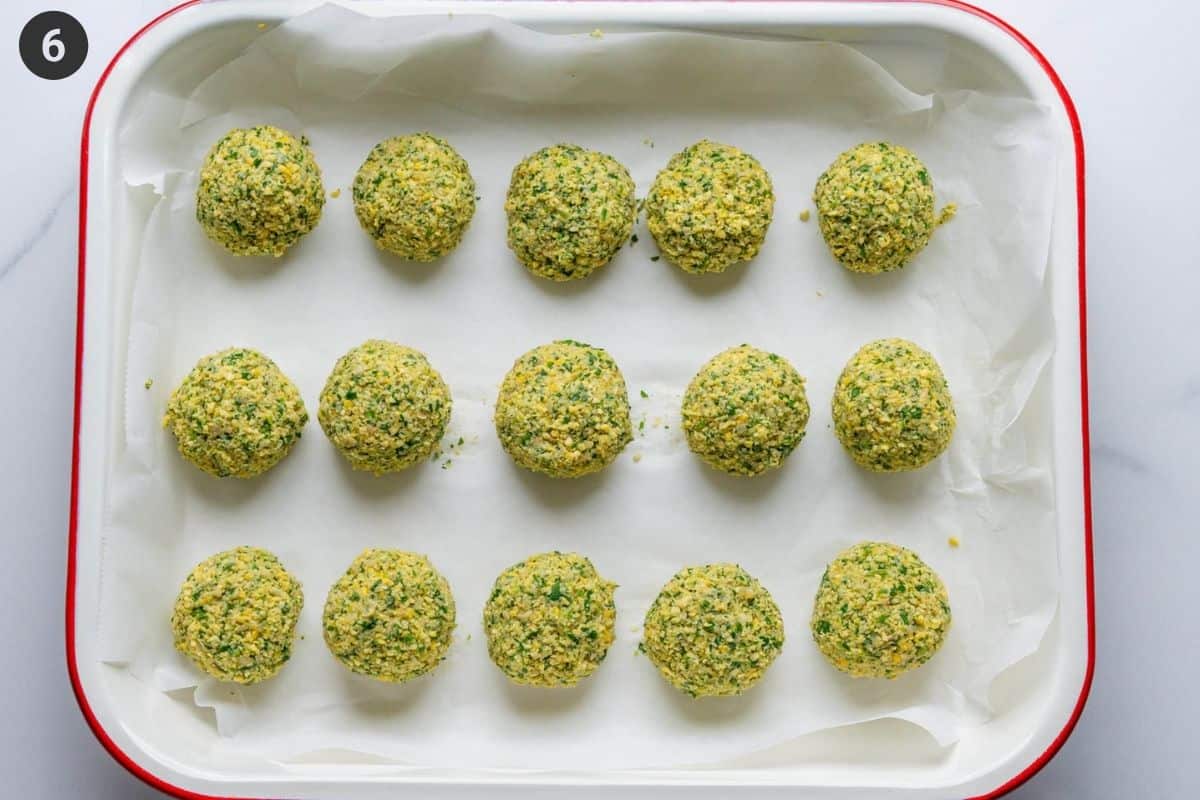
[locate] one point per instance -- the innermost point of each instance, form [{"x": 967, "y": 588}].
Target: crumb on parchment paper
[
  {"x": 451, "y": 448},
  {"x": 336, "y": 193},
  {"x": 262, "y": 26},
  {"x": 637, "y": 457},
  {"x": 596, "y": 34},
  {"x": 804, "y": 215},
  {"x": 149, "y": 382},
  {"x": 953, "y": 541}
]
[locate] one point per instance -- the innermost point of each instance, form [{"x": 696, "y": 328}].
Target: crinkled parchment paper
[{"x": 976, "y": 298}]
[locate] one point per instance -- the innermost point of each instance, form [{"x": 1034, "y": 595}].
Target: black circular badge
[{"x": 53, "y": 45}]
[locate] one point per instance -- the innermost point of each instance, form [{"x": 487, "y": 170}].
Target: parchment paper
[{"x": 976, "y": 298}]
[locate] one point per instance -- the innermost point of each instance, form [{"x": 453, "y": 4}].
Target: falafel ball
[
  {"x": 549, "y": 620},
  {"x": 745, "y": 411},
  {"x": 713, "y": 631},
  {"x": 235, "y": 414},
  {"x": 563, "y": 410},
  {"x": 415, "y": 196},
  {"x": 384, "y": 407},
  {"x": 892, "y": 409},
  {"x": 569, "y": 211},
  {"x": 235, "y": 616},
  {"x": 390, "y": 616},
  {"x": 880, "y": 611},
  {"x": 260, "y": 191},
  {"x": 710, "y": 207},
  {"x": 875, "y": 207}
]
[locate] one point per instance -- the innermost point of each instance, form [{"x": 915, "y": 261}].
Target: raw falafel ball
[
  {"x": 415, "y": 196},
  {"x": 713, "y": 631},
  {"x": 875, "y": 207},
  {"x": 260, "y": 191},
  {"x": 563, "y": 410},
  {"x": 549, "y": 620},
  {"x": 569, "y": 211},
  {"x": 892, "y": 409},
  {"x": 384, "y": 407},
  {"x": 235, "y": 616},
  {"x": 390, "y": 617},
  {"x": 235, "y": 414},
  {"x": 745, "y": 411},
  {"x": 880, "y": 611},
  {"x": 710, "y": 207}
]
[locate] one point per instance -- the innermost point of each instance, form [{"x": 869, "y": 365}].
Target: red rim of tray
[{"x": 158, "y": 783}]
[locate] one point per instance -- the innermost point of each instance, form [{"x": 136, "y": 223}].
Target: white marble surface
[{"x": 1131, "y": 68}]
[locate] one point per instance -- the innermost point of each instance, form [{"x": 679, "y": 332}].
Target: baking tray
[{"x": 170, "y": 747}]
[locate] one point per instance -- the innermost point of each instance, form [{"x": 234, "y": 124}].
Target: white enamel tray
[{"x": 1037, "y": 702}]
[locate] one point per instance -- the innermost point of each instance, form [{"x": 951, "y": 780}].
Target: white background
[{"x": 1131, "y": 68}]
